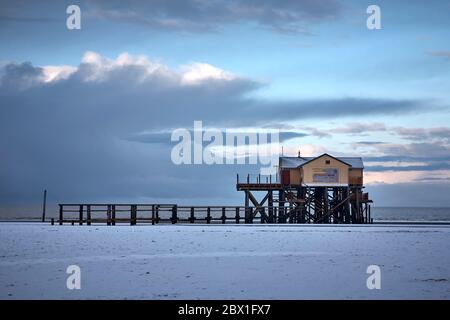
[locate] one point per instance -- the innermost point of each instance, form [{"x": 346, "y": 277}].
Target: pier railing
[
  {"x": 164, "y": 213},
  {"x": 257, "y": 179}
]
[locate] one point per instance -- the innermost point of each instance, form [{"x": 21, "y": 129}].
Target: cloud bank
[{"x": 90, "y": 132}]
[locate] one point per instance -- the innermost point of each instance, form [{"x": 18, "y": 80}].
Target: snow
[{"x": 224, "y": 261}]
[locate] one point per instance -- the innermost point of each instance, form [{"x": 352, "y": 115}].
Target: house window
[{"x": 327, "y": 161}]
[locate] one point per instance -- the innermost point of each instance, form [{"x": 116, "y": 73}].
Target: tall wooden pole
[{"x": 44, "y": 205}]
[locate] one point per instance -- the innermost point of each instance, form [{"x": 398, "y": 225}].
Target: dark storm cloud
[
  {"x": 432, "y": 179},
  {"x": 423, "y": 134},
  {"x": 369, "y": 143},
  {"x": 403, "y": 158},
  {"x": 332, "y": 108},
  {"x": 418, "y": 150},
  {"x": 70, "y": 135},
  {"x": 362, "y": 128},
  {"x": 199, "y": 16},
  {"x": 431, "y": 156},
  {"x": 185, "y": 15},
  {"x": 165, "y": 137},
  {"x": 20, "y": 76},
  {"x": 426, "y": 167}
]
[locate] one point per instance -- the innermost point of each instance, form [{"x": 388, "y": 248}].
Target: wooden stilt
[
  {"x": 88, "y": 215},
  {"x": 61, "y": 214},
  {"x": 153, "y": 215},
  {"x": 81, "y": 215},
  {"x": 208, "y": 215},
  {"x": 133, "y": 215},
  {"x": 224, "y": 217}
]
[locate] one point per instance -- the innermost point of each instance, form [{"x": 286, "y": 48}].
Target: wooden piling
[
  {"x": 88, "y": 215},
  {"x": 153, "y": 215},
  {"x": 44, "y": 206},
  {"x": 192, "y": 216},
  {"x": 157, "y": 214},
  {"x": 174, "y": 218},
  {"x": 224, "y": 217},
  {"x": 113, "y": 215},
  {"x": 61, "y": 214},
  {"x": 108, "y": 215},
  {"x": 133, "y": 215},
  {"x": 81, "y": 215},
  {"x": 270, "y": 203},
  {"x": 208, "y": 215}
]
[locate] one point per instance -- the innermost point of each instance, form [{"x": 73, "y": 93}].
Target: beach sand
[{"x": 224, "y": 262}]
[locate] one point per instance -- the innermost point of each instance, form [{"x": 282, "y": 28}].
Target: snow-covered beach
[{"x": 224, "y": 262}]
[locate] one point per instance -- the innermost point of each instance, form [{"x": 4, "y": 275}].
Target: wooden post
[
  {"x": 157, "y": 214},
  {"x": 174, "y": 214},
  {"x": 270, "y": 204},
  {"x": 348, "y": 206},
  {"x": 133, "y": 208},
  {"x": 224, "y": 217},
  {"x": 237, "y": 217},
  {"x": 113, "y": 215},
  {"x": 61, "y": 214},
  {"x": 281, "y": 201},
  {"x": 153, "y": 214},
  {"x": 247, "y": 199},
  {"x": 208, "y": 215},
  {"x": 192, "y": 217},
  {"x": 44, "y": 205},
  {"x": 108, "y": 215},
  {"x": 358, "y": 209},
  {"x": 81, "y": 215},
  {"x": 88, "y": 213}
]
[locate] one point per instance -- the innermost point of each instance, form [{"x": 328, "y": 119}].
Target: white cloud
[
  {"x": 196, "y": 73},
  {"x": 95, "y": 68},
  {"x": 55, "y": 73}
]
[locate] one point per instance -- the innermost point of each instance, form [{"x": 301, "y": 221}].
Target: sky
[{"x": 88, "y": 113}]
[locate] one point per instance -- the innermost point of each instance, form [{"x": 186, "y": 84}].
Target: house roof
[{"x": 295, "y": 162}]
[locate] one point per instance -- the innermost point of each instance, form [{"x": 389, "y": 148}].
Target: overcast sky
[{"x": 88, "y": 113}]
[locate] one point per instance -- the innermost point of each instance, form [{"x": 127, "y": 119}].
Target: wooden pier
[
  {"x": 323, "y": 189},
  {"x": 133, "y": 214},
  {"x": 151, "y": 214}
]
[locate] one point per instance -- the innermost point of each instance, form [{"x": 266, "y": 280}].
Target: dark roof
[{"x": 295, "y": 162}]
